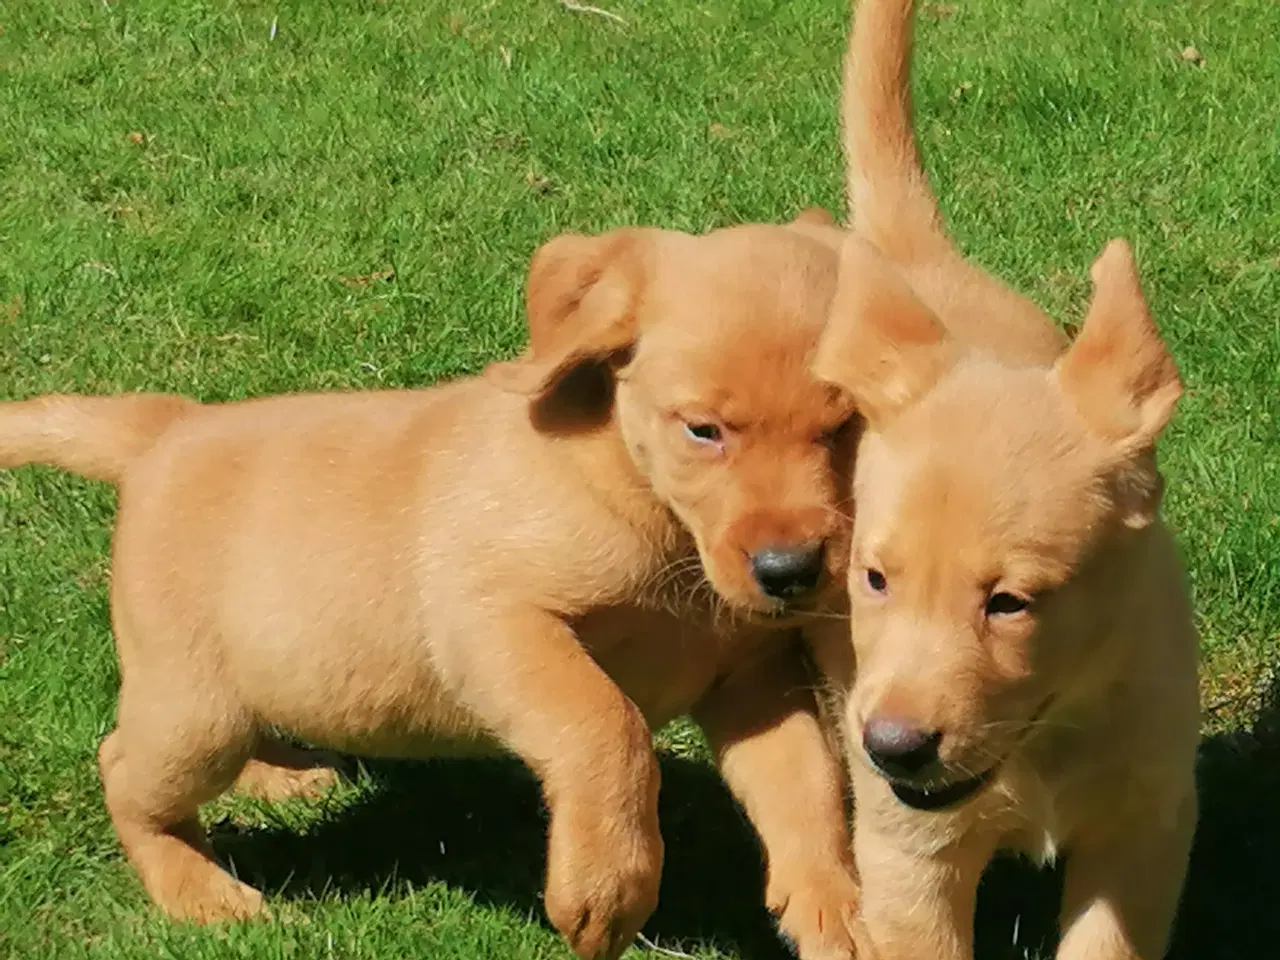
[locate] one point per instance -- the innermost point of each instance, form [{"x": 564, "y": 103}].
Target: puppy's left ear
[
  {"x": 1118, "y": 373},
  {"x": 580, "y": 301},
  {"x": 1121, "y": 378},
  {"x": 881, "y": 343}
]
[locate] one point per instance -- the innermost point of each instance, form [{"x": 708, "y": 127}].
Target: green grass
[{"x": 189, "y": 204}]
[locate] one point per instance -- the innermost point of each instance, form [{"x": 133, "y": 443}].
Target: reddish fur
[{"x": 508, "y": 561}]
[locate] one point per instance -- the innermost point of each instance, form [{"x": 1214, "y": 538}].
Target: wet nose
[
  {"x": 898, "y": 748},
  {"x": 786, "y": 573}
]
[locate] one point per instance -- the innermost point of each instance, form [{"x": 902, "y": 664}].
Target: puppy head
[
  {"x": 697, "y": 350},
  {"x": 993, "y": 506}
]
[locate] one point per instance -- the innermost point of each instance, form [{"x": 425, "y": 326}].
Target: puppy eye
[
  {"x": 876, "y": 581},
  {"x": 1005, "y": 604},
  {"x": 704, "y": 432}
]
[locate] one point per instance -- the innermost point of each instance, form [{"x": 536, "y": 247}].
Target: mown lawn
[{"x": 233, "y": 197}]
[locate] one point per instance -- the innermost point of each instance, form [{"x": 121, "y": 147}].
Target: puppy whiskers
[
  {"x": 824, "y": 615},
  {"x": 837, "y": 512}
]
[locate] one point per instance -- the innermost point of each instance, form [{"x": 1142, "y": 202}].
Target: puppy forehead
[
  {"x": 984, "y": 415},
  {"x": 754, "y": 380},
  {"x": 732, "y": 328},
  {"x": 990, "y": 475},
  {"x": 751, "y": 278}
]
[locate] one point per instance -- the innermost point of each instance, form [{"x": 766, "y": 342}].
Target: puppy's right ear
[
  {"x": 881, "y": 344},
  {"x": 580, "y": 300}
]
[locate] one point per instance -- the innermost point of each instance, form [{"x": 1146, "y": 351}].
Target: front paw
[
  {"x": 819, "y": 917},
  {"x": 602, "y": 881}
]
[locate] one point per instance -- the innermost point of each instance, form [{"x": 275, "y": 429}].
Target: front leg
[
  {"x": 919, "y": 874},
  {"x": 533, "y": 685},
  {"x": 763, "y": 725},
  {"x": 1122, "y": 889}
]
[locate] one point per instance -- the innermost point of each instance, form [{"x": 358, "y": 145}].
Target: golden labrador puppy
[
  {"x": 621, "y": 526},
  {"x": 1023, "y": 638}
]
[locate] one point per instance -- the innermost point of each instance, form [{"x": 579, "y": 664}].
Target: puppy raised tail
[
  {"x": 96, "y": 437},
  {"x": 890, "y": 200}
]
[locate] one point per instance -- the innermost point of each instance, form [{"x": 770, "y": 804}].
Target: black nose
[
  {"x": 786, "y": 573},
  {"x": 898, "y": 748}
]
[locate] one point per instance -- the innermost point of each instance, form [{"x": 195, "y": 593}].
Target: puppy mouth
[
  {"x": 935, "y": 798},
  {"x": 787, "y": 612},
  {"x": 781, "y": 610},
  {"x": 781, "y": 615},
  {"x": 817, "y": 603}
]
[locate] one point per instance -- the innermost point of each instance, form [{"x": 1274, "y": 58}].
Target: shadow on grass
[
  {"x": 479, "y": 825},
  {"x": 1231, "y": 902},
  {"x": 1231, "y": 905}
]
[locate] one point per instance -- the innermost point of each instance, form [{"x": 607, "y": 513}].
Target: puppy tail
[
  {"x": 890, "y": 200},
  {"x": 97, "y": 437}
]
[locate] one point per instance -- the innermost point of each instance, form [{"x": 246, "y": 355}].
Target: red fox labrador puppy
[
  {"x": 1023, "y": 638},
  {"x": 618, "y": 527}
]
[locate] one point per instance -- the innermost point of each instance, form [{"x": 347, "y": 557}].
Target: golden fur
[
  {"x": 1022, "y": 633},
  {"x": 516, "y": 559}
]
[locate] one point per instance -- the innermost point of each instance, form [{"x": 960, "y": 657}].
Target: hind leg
[
  {"x": 164, "y": 759},
  {"x": 278, "y": 771}
]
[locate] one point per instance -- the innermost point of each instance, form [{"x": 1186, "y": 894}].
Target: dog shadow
[
  {"x": 1231, "y": 905},
  {"x": 1231, "y": 902},
  {"x": 480, "y": 826}
]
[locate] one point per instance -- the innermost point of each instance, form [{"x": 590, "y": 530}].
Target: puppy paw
[
  {"x": 602, "y": 885},
  {"x": 275, "y": 784},
  {"x": 819, "y": 918},
  {"x": 281, "y": 772},
  {"x": 220, "y": 898}
]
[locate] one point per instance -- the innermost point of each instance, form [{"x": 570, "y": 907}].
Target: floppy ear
[
  {"x": 881, "y": 344},
  {"x": 1118, "y": 373},
  {"x": 580, "y": 302}
]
